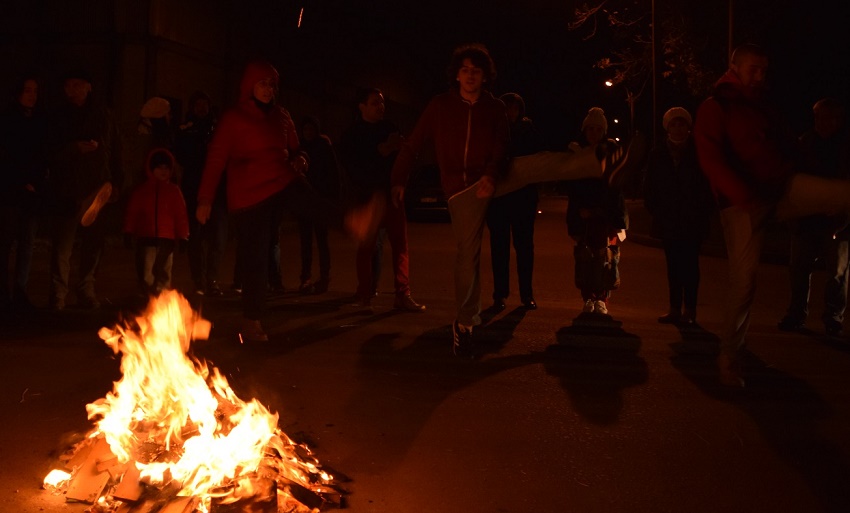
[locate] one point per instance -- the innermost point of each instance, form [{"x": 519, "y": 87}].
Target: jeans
[{"x": 64, "y": 231}]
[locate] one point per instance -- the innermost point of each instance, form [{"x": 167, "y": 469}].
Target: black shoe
[
  {"x": 462, "y": 342},
  {"x": 791, "y": 324},
  {"x": 832, "y": 327},
  {"x": 321, "y": 286},
  {"x": 499, "y": 304},
  {"x": 670, "y": 318},
  {"x": 530, "y": 303},
  {"x": 307, "y": 287},
  {"x": 277, "y": 288}
]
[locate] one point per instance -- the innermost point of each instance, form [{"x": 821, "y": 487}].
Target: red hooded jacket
[
  {"x": 745, "y": 149},
  {"x": 255, "y": 146},
  {"x": 470, "y": 140},
  {"x": 156, "y": 209}
]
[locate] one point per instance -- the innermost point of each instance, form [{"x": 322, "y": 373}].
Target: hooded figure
[
  {"x": 156, "y": 216},
  {"x": 256, "y": 141}
]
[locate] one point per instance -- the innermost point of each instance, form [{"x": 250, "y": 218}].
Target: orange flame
[{"x": 179, "y": 422}]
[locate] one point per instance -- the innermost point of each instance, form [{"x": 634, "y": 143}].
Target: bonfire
[{"x": 173, "y": 437}]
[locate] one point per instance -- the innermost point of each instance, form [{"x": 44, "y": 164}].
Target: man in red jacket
[
  {"x": 469, "y": 128},
  {"x": 749, "y": 156},
  {"x": 257, "y": 142}
]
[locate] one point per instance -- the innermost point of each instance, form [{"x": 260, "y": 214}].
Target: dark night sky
[{"x": 404, "y": 46}]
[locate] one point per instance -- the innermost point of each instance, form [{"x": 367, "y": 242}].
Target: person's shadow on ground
[
  {"x": 786, "y": 409},
  {"x": 595, "y": 360}
]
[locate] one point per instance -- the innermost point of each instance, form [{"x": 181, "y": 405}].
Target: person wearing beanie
[
  {"x": 157, "y": 219},
  {"x": 679, "y": 200},
  {"x": 597, "y": 221}
]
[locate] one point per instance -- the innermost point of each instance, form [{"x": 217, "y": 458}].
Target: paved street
[{"x": 561, "y": 414}]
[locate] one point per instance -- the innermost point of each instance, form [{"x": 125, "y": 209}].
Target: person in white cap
[
  {"x": 679, "y": 199},
  {"x": 597, "y": 220}
]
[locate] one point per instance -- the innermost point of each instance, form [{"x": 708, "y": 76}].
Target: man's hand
[
  {"x": 202, "y": 213},
  {"x": 486, "y": 187},
  {"x": 397, "y": 195}
]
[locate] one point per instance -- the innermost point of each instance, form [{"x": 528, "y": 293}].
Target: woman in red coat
[{"x": 257, "y": 143}]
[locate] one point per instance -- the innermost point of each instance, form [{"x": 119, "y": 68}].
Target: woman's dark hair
[
  {"x": 480, "y": 57},
  {"x": 18, "y": 85}
]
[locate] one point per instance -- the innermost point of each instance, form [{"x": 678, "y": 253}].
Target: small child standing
[{"x": 157, "y": 218}]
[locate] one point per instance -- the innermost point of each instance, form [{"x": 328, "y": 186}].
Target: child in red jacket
[{"x": 157, "y": 218}]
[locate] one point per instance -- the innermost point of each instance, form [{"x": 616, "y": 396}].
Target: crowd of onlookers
[{"x": 252, "y": 164}]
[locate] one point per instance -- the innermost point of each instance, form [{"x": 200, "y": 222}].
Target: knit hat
[
  {"x": 156, "y": 107},
  {"x": 595, "y": 116},
  {"x": 677, "y": 112}
]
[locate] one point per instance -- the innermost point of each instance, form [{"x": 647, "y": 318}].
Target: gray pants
[
  {"x": 743, "y": 230},
  {"x": 468, "y": 213}
]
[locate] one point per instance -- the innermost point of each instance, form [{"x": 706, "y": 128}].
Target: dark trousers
[
  {"x": 682, "y": 273},
  {"x": 19, "y": 224},
  {"x": 254, "y": 226},
  {"x": 307, "y": 230},
  {"x": 64, "y": 231},
  {"x": 808, "y": 246},
  {"x": 206, "y": 246},
  {"x": 512, "y": 215}
]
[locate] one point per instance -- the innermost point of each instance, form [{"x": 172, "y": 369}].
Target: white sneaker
[
  {"x": 600, "y": 307},
  {"x": 588, "y": 306}
]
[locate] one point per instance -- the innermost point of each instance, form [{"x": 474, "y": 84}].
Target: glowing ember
[{"x": 172, "y": 432}]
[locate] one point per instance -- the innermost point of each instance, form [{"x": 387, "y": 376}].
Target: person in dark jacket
[
  {"x": 206, "y": 242},
  {"x": 367, "y": 150},
  {"x": 680, "y": 202},
  {"x": 158, "y": 220},
  {"x": 23, "y": 168},
  {"x": 512, "y": 215},
  {"x": 257, "y": 143},
  {"x": 826, "y": 153},
  {"x": 85, "y": 174},
  {"x": 323, "y": 175}
]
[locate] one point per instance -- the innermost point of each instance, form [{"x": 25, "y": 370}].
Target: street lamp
[{"x": 630, "y": 99}]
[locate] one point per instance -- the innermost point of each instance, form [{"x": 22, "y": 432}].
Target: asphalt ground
[{"x": 560, "y": 412}]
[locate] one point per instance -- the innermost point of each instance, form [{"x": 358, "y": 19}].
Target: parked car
[{"x": 423, "y": 198}]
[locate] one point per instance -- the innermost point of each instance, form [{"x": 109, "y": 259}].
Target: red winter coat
[
  {"x": 256, "y": 148},
  {"x": 156, "y": 209},
  {"x": 744, "y": 147},
  {"x": 470, "y": 140}
]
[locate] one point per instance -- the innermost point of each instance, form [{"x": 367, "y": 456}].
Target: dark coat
[
  {"x": 677, "y": 194},
  {"x": 23, "y": 161}
]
